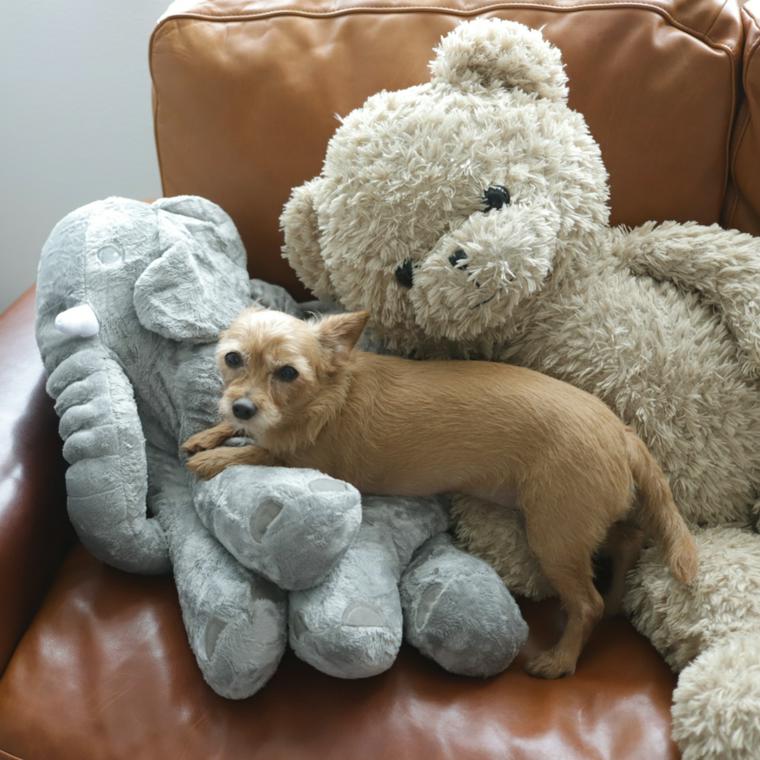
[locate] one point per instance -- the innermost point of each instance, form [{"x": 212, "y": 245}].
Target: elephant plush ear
[
  {"x": 490, "y": 52},
  {"x": 207, "y": 223},
  {"x": 302, "y": 250},
  {"x": 192, "y": 291}
]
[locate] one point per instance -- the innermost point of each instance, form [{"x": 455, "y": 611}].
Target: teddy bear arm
[{"x": 722, "y": 266}]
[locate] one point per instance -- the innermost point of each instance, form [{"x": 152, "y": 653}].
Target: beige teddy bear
[{"x": 470, "y": 217}]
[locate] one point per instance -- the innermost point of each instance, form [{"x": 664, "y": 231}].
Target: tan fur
[{"x": 507, "y": 434}]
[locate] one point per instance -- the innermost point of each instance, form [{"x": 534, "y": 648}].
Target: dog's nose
[
  {"x": 456, "y": 257},
  {"x": 244, "y": 409},
  {"x": 405, "y": 274}
]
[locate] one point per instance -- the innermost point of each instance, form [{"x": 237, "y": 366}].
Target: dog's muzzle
[{"x": 244, "y": 409}]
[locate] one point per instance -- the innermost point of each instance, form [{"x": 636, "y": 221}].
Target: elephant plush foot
[
  {"x": 235, "y": 622},
  {"x": 289, "y": 525},
  {"x": 351, "y": 625},
  {"x": 458, "y": 612}
]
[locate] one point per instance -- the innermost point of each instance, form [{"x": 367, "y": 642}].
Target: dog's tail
[{"x": 658, "y": 514}]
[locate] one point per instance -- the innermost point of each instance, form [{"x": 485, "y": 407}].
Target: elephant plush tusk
[{"x": 79, "y": 321}]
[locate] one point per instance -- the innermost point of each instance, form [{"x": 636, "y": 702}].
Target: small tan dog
[{"x": 503, "y": 433}]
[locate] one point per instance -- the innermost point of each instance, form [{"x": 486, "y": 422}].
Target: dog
[{"x": 392, "y": 426}]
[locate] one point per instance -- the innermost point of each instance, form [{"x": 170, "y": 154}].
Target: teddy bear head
[{"x": 442, "y": 208}]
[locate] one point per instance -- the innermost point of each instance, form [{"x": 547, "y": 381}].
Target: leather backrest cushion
[
  {"x": 246, "y": 93},
  {"x": 742, "y": 207}
]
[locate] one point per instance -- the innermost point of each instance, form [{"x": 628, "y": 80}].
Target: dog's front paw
[
  {"x": 198, "y": 442},
  {"x": 206, "y": 464},
  {"x": 550, "y": 664}
]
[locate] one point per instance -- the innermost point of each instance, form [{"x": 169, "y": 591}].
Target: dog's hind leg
[
  {"x": 623, "y": 544},
  {"x": 564, "y": 553}
]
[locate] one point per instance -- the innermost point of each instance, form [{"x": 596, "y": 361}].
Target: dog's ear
[{"x": 339, "y": 332}]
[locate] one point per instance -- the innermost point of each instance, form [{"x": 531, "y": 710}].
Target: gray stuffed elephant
[{"x": 131, "y": 297}]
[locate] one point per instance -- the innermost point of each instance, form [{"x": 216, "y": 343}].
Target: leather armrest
[
  {"x": 34, "y": 529},
  {"x": 742, "y": 206}
]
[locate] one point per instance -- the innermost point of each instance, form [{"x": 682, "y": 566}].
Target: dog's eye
[
  {"x": 495, "y": 196},
  {"x": 233, "y": 360},
  {"x": 286, "y": 373}
]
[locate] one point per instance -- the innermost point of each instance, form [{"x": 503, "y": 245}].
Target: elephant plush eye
[
  {"x": 286, "y": 373},
  {"x": 233, "y": 360},
  {"x": 495, "y": 196}
]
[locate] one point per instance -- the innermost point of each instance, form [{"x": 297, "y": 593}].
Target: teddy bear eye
[
  {"x": 233, "y": 360},
  {"x": 404, "y": 274},
  {"x": 286, "y": 373},
  {"x": 495, "y": 196}
]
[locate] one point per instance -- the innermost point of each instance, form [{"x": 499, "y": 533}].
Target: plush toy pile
[
  {"x": 131, "y": 298},
  {"x": 469, "y": 216}
]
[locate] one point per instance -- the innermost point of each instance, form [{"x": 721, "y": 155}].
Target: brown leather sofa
[{"x": 94, "y": 662}]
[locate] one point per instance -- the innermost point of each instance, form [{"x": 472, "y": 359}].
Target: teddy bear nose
[
  {"x": 404, "y": 274},
  {"x": 456, "y": 257},
  {"x": 244, "y": 409}
]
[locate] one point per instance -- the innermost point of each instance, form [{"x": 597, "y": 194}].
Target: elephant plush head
[
  {"x": 126, "y": 292},
  {"x": 175, "y": 267}
]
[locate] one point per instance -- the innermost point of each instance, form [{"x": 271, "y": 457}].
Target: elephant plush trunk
[{"x": 107, "y": 474}]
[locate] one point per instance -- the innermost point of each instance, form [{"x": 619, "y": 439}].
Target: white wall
[{"x": 75, "y": 118}]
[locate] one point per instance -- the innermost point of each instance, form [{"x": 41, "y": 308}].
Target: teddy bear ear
[
  {"x": 302, "y": 248},
  {"x": 490, "y": 52}
]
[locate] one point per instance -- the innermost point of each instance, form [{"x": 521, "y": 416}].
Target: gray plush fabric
[
  {"x": 439, "y": 609},
  {"x": 130, "y": 299},
  {"x": 392, "y": 529}
]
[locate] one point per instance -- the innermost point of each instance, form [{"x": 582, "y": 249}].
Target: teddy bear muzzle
[{"x": 475, "y": 276}]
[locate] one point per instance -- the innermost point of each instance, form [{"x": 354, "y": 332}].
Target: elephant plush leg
[
  {"x": 289, "y": 525},
  {"x": 235, "y": 620},
  {"x": 458, "y": 612},
  {"x": 351, "y": 625}
]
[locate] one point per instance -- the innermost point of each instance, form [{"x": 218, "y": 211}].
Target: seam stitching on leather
[
  {"x": 750, "y": 11},
  {"x": 742, "y": 132},
  {"x": 156, "y": 99},
  {"x": 369, "y": 9},
  {"x": 715, "y": 18},
  {"x": 744, "y": 115}
]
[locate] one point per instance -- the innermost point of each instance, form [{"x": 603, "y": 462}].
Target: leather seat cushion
[{"x": 105, "y": 671}]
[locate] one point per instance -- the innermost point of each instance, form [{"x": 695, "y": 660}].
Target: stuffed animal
[
  {"x": 469, "y": 215},
  {"x": 131, "y": 297}
]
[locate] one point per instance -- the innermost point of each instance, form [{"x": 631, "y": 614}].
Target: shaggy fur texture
[
  {"x": 385, "y": 424},
  {"x": 661, "y": 322}
]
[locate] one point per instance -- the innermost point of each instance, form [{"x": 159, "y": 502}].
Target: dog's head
[{"x": 277, "y": 369}]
